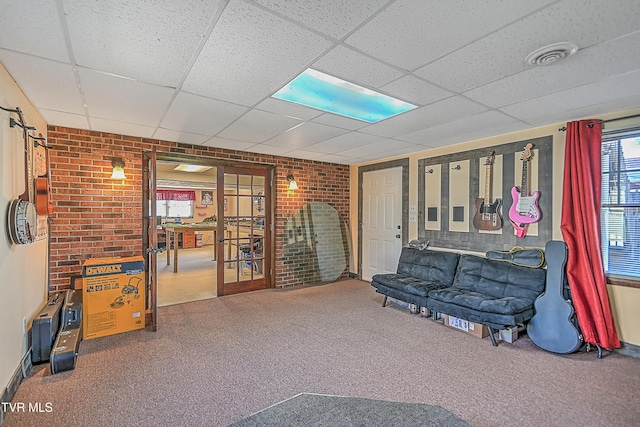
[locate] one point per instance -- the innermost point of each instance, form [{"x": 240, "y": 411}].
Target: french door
[
  {"x": 244, "y": 229},
  {"x": 150, "y": 237}
]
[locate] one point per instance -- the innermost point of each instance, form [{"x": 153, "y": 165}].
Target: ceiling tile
[
  {"x": 344, "y": 142},
  {"x": 306, "y": 134},
  {"x": 307, "y": 155},
  {"x": 343, "y": 160},
  {"x": 290, "y": 109},
  {"x": 182, "y": 137},
  {"x": 228, "y": 143},
  {"x": 412, "y": 33},
  {"x": 372, "y": 150},
  {"x": 502, "y": 53},
  {"x": 467, "y": 129},
  {"x": 333, "y": 17},
  {"x": 55, "y": 89},
  {"x": 412, "y": 89},
  {"x": 44, "y": 37},
  {"x": 268, "y": 149},
  {"x": 355, "y": 67},
  {"x": 59, "y": 118},
  {"x": 250, "y": 54},
  {"x": 151, "y": 41},
  {"x": 115, "y": 98},
  {"x": 598, "y": 62},
  {"x": 579, "y": 101},
  {"x": 120, "y": 127},
  {"x": 197, "y": 114},
  {"x": 258, "y": 126},
  {"x": 431, "y": 115},
  {"x": 339, "y": 121}
]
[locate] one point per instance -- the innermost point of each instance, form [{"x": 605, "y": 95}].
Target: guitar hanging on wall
[
  {"x": 487, "y": 215},
  {"x": 44, "y": 206},
  {"x": 23, "y": 219},
  {"x": 524, "y": 209}
]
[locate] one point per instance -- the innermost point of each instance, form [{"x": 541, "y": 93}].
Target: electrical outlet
[
  {"x": 413, "y": 208},
  {"x": 413, "y": 218}
]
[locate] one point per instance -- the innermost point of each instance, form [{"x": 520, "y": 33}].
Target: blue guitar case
[{"x": 553, "y": 327}]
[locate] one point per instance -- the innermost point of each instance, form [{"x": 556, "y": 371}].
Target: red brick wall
[{"x": 96, "y": 217}]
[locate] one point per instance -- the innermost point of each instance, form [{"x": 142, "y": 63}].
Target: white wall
[{"x": 23, "y": 268}]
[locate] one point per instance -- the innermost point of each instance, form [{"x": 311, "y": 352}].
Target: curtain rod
[{"x": 595, "y": 122}]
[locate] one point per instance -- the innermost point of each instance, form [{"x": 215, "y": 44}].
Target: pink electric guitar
[{"x": 524, "y": 209}]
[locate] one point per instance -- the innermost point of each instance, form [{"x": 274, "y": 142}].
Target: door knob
[{"x": 397, "y": 236}]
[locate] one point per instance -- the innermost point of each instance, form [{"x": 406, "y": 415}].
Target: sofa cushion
[
  {"x": 430, "y": 266},
  {"x": 481, "y": 302},
  {"x": 407, "y": 283},
  {"x": 499, "y": 280}
]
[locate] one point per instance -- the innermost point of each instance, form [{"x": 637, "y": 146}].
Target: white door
[{"x": 381, "y": 221}]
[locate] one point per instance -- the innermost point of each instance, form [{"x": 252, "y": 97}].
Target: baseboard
[
  {"x": 20, "y": 373},
  {"x": 630, "y": 350}
]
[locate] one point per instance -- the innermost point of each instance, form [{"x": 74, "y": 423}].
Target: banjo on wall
[{"x": 22, "y": 221}]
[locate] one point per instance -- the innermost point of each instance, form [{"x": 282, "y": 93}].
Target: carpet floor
[{"x": 214, "y": 362}]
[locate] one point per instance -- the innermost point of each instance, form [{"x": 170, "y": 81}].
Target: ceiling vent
[{"x": 551, "y": 54}]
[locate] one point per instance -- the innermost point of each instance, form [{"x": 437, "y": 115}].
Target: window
[
  {"x": 175, "y": 203},
  {"x": 620, "y": 214},
  {"x": 175, "y": 208}
]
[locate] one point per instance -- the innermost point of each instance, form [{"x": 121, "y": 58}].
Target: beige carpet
[{"x": 216, "y": 361}]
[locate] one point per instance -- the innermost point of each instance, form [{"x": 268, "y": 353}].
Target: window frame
[{"x": 616, "y": 136}]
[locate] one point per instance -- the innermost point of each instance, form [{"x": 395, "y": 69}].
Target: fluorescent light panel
[
  {"x": 191, "y": 168},
  {"x": 318, "y": 90}
]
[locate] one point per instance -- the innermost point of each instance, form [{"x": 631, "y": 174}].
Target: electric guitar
[
  {"x": 487, "y": 215},
  {"x": 524, "y": 209}
]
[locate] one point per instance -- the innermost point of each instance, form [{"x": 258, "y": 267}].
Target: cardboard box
[
  {"x": 475, "y": 329},
  {"x": 113, "y": 291},
  {"x": 509, "y": 334}
]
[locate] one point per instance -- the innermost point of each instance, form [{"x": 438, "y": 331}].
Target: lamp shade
[{"x": 118, "y": 169}]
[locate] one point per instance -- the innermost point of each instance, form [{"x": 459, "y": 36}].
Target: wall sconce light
[
  {"x": 293, "y": 185},
  {"x": 118, "y": 168}
]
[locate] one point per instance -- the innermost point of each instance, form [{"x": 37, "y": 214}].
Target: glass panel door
[
  {"x": 150, "y": 245},
  {"x": 243, "y": 230}
]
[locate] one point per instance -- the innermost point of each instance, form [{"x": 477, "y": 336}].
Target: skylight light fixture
[
  {"x": 318, "y": 90},
  {"x": 191, "y": 168}
]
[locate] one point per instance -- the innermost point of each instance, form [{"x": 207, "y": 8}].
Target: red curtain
[
  {"x": 181, "y": 195},
  {"x": 580, "y": 225}
]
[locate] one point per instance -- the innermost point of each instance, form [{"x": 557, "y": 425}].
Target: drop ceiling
[{"x": 203, "y": 72}]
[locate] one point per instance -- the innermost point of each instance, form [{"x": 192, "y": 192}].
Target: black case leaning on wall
[
  {"x": 45, "y": 328},
  {"x": 72, "y": 309},
  {"x": 65, "y": 350}
]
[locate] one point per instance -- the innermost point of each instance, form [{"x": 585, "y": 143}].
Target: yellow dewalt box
[{"x": 113, "y": 296}]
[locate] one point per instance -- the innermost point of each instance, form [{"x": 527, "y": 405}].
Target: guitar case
[
  {"x": 45, "y": 328},
  {"x": 554, "y": 325},
  {"x": 72, "y": 309},
  {"x": 65, "y": 350},
  {"x": 524, "y": 257}
]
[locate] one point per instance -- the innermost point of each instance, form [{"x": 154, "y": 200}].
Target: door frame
[
  {"x": 404, "y": 164},
  {"x": 269, "y": 268}
]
